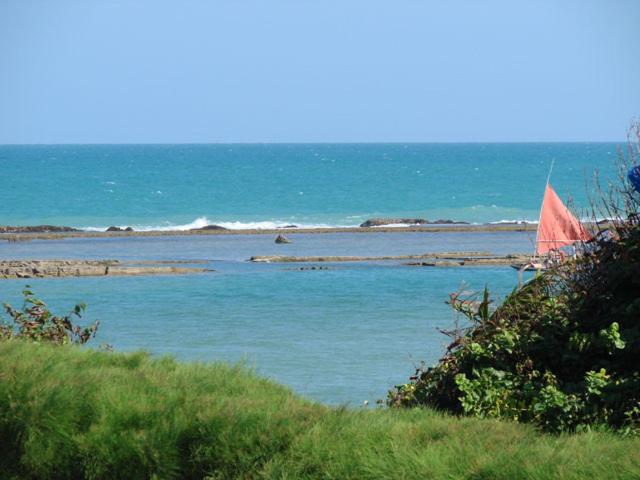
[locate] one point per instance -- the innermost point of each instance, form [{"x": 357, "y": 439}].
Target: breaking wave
[{"x": 201, "y": 222}]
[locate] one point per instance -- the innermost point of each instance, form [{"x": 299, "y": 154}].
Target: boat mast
[{"x": 535, "y": 248}]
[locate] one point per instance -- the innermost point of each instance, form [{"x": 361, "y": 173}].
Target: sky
[{"x": 208, "y": 71}]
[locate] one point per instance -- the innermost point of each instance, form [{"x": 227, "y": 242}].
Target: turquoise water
[
  {"x": 262, "y": 185},
  {"x": 342, "y": 335}
]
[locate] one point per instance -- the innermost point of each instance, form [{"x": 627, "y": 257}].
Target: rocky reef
[
  {"x": 437, "y": 259},
  {"x": 379, "y": 222},
  {"x": 118, "y": 229},
  {"x": 208, "y": 228},
  {"x": 86, "y": 268},
  {"x": 36, "y": 229}
]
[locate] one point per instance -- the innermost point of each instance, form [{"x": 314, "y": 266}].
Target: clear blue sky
[{"x": 138, "y": 71}]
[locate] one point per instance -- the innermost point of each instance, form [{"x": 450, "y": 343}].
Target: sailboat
[{"x": 557, "y": 228}]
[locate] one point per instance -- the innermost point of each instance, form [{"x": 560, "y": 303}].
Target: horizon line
[{"x": 474, "y": 142}]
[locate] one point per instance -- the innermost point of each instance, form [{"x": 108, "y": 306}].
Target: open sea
[{"x": 342, "y": 335}]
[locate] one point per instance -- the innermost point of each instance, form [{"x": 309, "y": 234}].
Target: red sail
[{"x": 558, "y": 227}]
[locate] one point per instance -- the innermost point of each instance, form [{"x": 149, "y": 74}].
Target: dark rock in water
[
  {"x": 282, "y": 239},
  {"x": 439, "y": 263},
  {"x": 378, "y": 222},
  {"x": 36, "y": 229},
  {"x": 210, "y": 227},
  {"x": 447, "y": 221},
  {"x": 289, "y": 226},
  {"x": 118, "y": 229}
]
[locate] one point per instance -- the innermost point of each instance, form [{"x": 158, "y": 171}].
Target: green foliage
[
  {"x": 35, "y": 322},
  {"x": 69, "y": 412},
  {"x": 561, "y": 352}
]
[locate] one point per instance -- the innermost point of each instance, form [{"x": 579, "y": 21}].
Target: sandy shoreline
[{"x": 16, "y": 237}]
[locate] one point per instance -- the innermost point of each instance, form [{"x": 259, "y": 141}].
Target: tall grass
[{"x": 68, "y": 412}]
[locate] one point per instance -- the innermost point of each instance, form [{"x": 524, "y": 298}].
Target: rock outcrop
[
  {"x": 447, "y": 221},
  {"x": 378, "y": 222},
  {"x": 84, "y": 268},
  {"x": 36, "y": 229},
  {"x": 282, "y": 239},
  {"x": 118, "y": 229},
  {"x": 208, "y": 228},
  {"x": 425, "y": 259}
]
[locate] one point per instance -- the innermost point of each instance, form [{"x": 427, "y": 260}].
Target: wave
[
  {"x": 201, "y": 222},
  {"x": 517, "y": 222},
  {"x": 270, "y": 225},
  {"x": 168, "y": 226},
  {"x": 584, "y": 219}
]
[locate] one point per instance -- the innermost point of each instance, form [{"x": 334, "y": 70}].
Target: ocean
[
  {"x": 342, "y": 335},
  {"x": 247, "y": 186}
]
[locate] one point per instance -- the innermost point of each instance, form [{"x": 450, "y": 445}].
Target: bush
[
  {"x": 35, "y": 322},
  {"x": 561, "y": 352}
]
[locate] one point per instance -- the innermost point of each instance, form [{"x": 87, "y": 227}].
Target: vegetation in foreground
[
  {"x": 70, "y": 412},
  {"x": 562, "y": 352}
]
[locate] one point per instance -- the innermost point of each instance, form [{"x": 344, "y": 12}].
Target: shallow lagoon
[{"x": 342, "y": 335}]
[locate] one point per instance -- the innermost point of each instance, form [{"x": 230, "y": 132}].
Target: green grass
[{"x": 69, "y": 412}]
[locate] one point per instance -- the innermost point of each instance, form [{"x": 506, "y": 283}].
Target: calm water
[{"x": 342, "y": 335}]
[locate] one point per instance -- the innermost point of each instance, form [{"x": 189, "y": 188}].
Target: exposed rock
[
  {"x": 83, "y": 268},
  {"x": 209, "y": 227},
  {"x": 36, "y": 229},
  {"x": 426, "y": 259},
  {"x": 288, "y": 226},
  {"x": 378, "y": 222},
  {"x": 282, "y": 239},
  {"x": 447, "y": 221},
  {"x": 439, "y": 263},
  {"x": 118, "y": 229}
]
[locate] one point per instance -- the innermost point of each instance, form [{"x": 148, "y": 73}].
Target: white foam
[
  {"x": 399, "y": 225},
  {"x": 518, "y": 222},
  {"x": 268, "y": 225},
  {"x": 197, "y": 223},
  {"x": 201, "y": 222}
]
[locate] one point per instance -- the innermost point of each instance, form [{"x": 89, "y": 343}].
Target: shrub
[
  {"x": 561, "y": 352},
  {"x": 35, "y": 322}
]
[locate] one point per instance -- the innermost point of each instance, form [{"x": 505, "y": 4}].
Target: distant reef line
[{"x": 51, "y": 232}]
